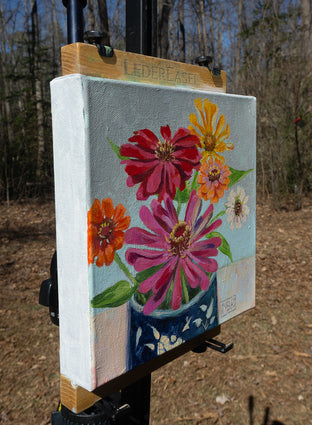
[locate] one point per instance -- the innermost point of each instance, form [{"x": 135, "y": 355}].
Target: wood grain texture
[
  {"x": 81, "y": 58},
  {"x": 78, "y": 399}
]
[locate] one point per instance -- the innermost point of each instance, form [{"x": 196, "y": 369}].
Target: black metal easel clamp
[
  {"x": 104, "y": 412},
  {"x": 48, "y": 295},
  {"x": 220, "y": 346},
  {"x": 98, "y": 39},
  {"x": 206, "y": 61},
  {"x": 130, "y": 406},
  {"x": 203, "y": 61},
  {"x": 214, "y": 345}
]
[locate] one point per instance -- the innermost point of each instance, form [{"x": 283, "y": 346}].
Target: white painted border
[{"x": 71, "y": 185}]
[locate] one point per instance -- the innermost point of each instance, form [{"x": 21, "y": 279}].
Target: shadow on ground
[{"x": 266, "y": 419}]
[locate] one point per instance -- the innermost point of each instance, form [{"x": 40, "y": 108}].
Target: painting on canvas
[{"x": 155, "y": 213}]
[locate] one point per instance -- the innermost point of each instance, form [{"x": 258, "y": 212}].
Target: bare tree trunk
[
  {"x": 55, "y": 40},
  {"x": 38, "y": 91},
  {"x": 104, "y": 25},
  {"x": 90, "y": 15},
  {"x": 115, "y": 25},
  {"x": 211, "y": 29},
  {"x": 116, "y": 14},
  {"x": 237, "y": 60},
  {"x": 300, "y": 170},
  {"x": 307, "y": 27},
  {"x": 6, "y": 104},
  {"x": 203, "y": 25},
  {"x": 172, "y": 38},
  {"x": 181, "y": 31},
  {"x": 7, "y": 138},
  {"x": 220, "y": 26},
  {"x": 163, "y": 28},
  {"x": 199, "y": 29},
  {"x": 40, "y": 120}
]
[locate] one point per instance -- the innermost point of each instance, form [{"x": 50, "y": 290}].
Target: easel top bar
[{"x": 81, "y": 58}]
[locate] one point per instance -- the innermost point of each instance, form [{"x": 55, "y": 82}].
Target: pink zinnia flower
[
  {"x": 161, "y": 166},
  {"x": 175, "y": 244}
]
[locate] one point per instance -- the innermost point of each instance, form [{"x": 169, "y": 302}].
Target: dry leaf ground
[{"x": 271, "y": 360}]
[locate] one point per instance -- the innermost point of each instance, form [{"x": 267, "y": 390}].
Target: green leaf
[
  {"x": 195, "y": 185},
  {"x": 141, "y": 276},
  {"x": 225, "y": 247},
  {"x": 116, "y": 149},
  {"x": 184, "y": 196},
  {"x": 220, "y": 214},
  {"x": 237, "y": 175},
  {"x": 114, "y": 296}
]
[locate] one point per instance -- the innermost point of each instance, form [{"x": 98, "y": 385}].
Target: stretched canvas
[{"x": 155, "y": 216}]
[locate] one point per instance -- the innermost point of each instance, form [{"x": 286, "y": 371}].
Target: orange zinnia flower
[
  {"x": 213, "y": 179},
  {"x": 212, "y": 136},
  {"x": 106, "y": 227}
]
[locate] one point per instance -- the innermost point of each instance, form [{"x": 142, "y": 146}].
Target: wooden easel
[
  {"x": 81, "y": 58},
  {"x": 78, "y": 57}
]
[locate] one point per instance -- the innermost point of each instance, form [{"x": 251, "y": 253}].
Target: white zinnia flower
[{"x": 236, "y": 208}]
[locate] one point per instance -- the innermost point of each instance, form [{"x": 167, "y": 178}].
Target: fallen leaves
[
  {"x": 222, "y": 399},
  {"x": 301, "y": 354},
  {"x": 273, "y": 320},
  {"x": 271, "y": 358}
]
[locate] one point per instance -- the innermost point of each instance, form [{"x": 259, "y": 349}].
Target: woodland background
[
  {"x": 266, "y": 49},
  {"x": 264, "y": 46}
]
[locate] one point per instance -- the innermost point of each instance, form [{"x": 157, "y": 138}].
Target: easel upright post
[
  {"x": 75, "y": 21},
  {"x": 141, "y": 37},
  {"x": 141, "y": 27}
]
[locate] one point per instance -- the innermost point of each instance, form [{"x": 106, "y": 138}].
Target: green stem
[
  {"x": 141, "y": 297},
  {"x": 220, "y": 214},
  {"x": 132, "y": 279},
  {"x": 184, "y": 289},
  {"x": 194, "y": 181},
  {"x": 125, "y": 270},
  {"x": 179, "y": 207}
]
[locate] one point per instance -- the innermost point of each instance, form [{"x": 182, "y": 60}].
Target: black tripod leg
[
  {"x": 138, "y": 397},
  {"x": 57, "y": 418}
]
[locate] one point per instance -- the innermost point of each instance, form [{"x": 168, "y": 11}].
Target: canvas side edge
[{"x": 71, "y": 174}]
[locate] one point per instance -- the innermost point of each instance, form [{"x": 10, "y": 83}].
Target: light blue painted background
[{"x": 115, "y": 109}]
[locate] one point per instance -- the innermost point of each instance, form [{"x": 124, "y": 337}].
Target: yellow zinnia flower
[{"x": 212, "y": 136}]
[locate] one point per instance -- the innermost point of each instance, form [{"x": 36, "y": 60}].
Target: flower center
[
  {"x": 180, "y": 238},
  {"x": 214, "y": 174},
  {"x": 164, "y": 151},
  {"x": 106, "y": 228},
  {"x": 210, "y": 142},
  {"x": 238, "y": 207}
]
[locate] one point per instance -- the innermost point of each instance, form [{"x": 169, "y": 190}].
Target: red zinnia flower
[
  {"x": 106, "y": 227},
  {"x": 161, "y": 166}
]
